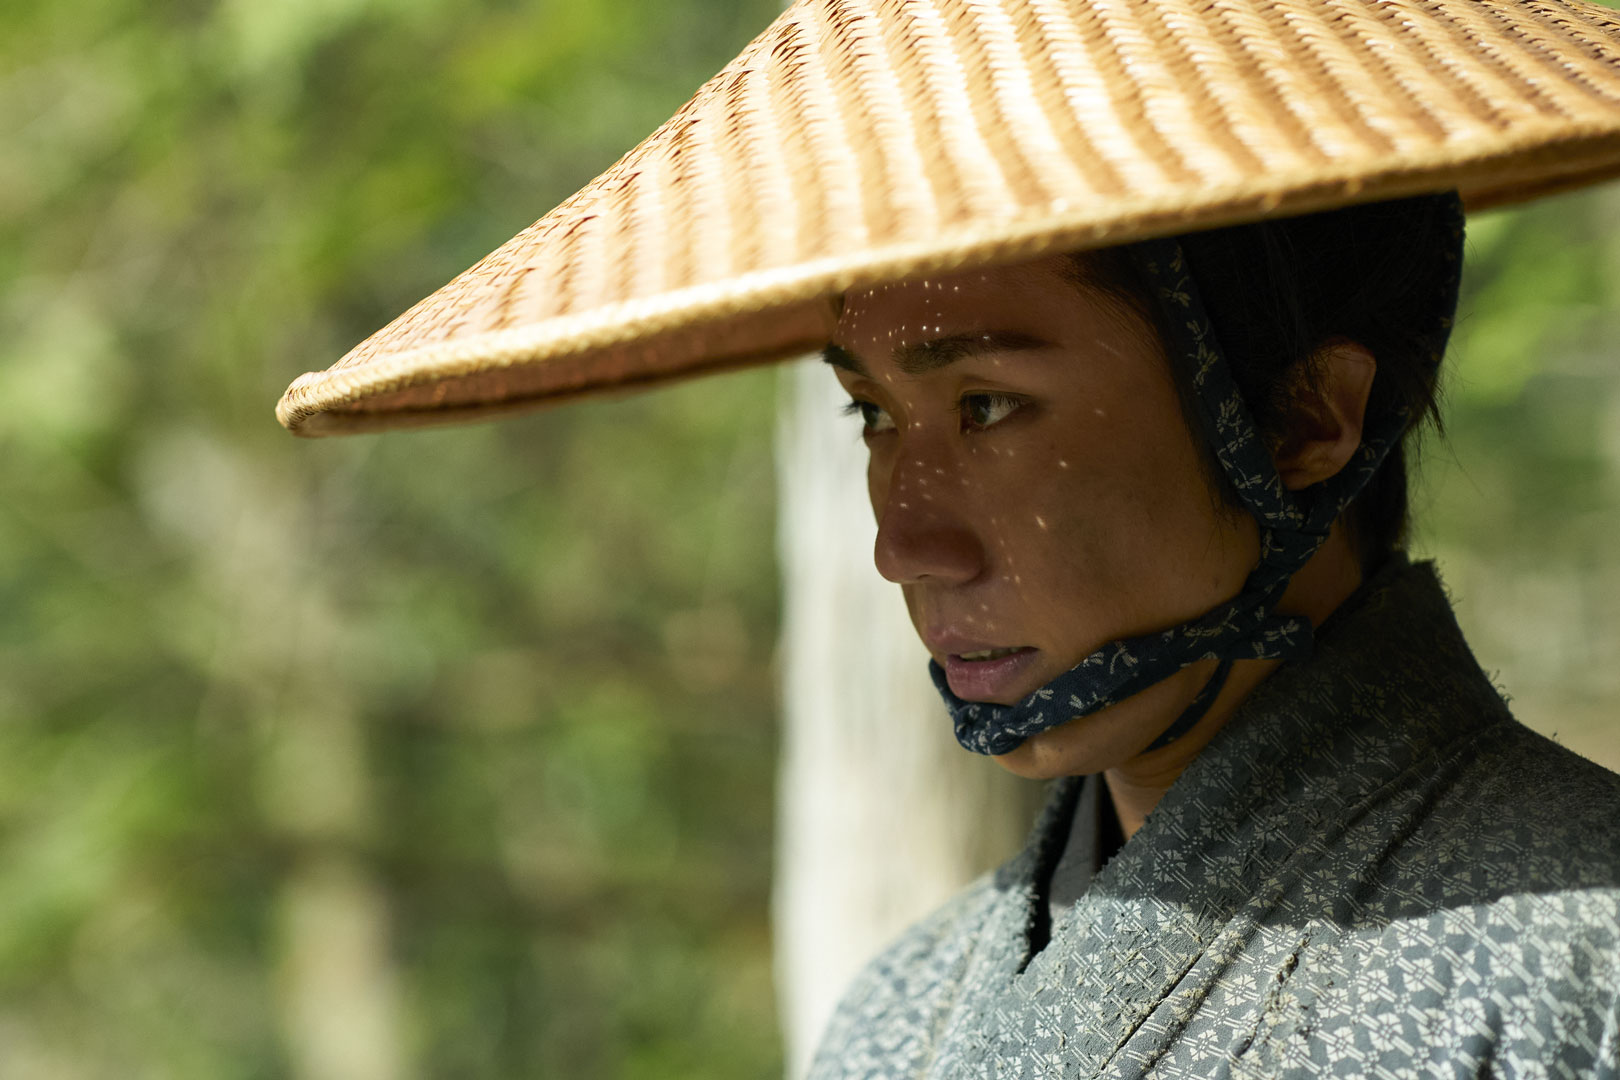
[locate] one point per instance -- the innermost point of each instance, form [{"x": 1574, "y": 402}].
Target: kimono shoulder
[
  {"x": 1372, "y": 870},
  {"x": 1513, "y": 812},
  {"x": 893, "y": 1004}
]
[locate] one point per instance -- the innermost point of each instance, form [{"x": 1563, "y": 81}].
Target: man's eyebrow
[
  {"x": 840, "y": 357},
  {"x": 920, "y": 357}
]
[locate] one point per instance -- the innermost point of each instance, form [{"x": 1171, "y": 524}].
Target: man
[
  {"x": 1335, "y": 849},
  {"x": 1358, "y": 865}
]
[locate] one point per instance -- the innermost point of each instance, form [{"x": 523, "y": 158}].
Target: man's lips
[
  {"x": 946, "y": 642},
  {"x": 1001, "y": 676}
]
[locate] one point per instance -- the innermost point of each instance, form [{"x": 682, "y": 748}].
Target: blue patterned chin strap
[{"x": 1293, "y": 525}]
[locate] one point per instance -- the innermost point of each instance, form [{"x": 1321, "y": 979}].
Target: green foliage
[
  {"x": 1521, "y": 501},
  {"x": 497, "y": 698}
]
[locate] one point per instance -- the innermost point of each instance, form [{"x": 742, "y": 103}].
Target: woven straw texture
[{"x": 857, "y": 142}]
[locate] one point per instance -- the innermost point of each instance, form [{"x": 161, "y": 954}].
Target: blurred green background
[{"x": 451, "y": 754}]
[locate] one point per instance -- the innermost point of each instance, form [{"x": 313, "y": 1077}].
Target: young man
[
  {"x": 1145, "y": 506},
  {"x": 1358, "y": 864}
]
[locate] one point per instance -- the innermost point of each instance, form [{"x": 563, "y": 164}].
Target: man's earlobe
[{"x": 1325, "y": 420}]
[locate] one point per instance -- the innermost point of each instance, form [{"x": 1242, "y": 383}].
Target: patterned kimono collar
[
  {"x": 1314, "y": 737},
  {"x": 1293, "y": 525},
  {"x": 1391, "y": 692}
]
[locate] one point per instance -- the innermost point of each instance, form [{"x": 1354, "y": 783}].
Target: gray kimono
[{"x": 1372, "y": 871}]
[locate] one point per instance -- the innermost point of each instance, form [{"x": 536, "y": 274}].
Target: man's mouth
[
  {"x": 1000, "y": 674},
  {"x": 990, "y": 654}
]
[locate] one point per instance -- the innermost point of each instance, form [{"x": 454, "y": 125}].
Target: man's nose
[{"x": 922, "y": 535}]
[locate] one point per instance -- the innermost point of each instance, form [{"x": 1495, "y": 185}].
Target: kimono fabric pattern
[{"x": 1346, "y": 882}]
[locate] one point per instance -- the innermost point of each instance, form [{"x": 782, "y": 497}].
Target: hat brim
[{"x": 486, "y": 344}]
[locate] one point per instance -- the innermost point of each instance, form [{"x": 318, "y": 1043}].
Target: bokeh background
[{"x": 451, "y": 754}]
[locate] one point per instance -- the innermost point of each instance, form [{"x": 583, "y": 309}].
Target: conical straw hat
[{"x": 857, "y": 142}]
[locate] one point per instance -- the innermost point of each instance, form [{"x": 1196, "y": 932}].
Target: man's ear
[{"x": 1323, "y": 428}]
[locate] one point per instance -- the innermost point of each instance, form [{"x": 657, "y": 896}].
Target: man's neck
[{"x": 1331, "y": 576}]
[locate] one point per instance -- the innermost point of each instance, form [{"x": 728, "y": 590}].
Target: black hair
[{"x": 1278, "y": 291}]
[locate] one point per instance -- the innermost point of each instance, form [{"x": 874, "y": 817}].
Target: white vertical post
[{"x": 881, "y": 816}]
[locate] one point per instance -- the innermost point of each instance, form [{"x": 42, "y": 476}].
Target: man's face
[{"x": 1037, "y": 491}]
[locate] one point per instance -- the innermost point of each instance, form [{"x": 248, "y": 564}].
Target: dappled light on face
[{"x": 1046, "y": 574}]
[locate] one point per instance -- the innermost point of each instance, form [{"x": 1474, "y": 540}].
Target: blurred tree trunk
[
  {"x": 338, "y": 985},
  {"x": 338, "y": 995},
  {"x": 881, "y": 815}
]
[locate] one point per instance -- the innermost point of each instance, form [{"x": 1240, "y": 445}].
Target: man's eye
[
  {"x": 873, "y": 418},
  {"x": 983, "y": 410}
]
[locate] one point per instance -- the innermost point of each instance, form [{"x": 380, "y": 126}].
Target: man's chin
[{"x": 1037, "y": 758}]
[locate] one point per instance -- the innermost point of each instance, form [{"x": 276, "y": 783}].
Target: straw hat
[{"x": 857, "y": 142}]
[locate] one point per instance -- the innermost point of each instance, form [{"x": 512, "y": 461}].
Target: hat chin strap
[{"x": 1293, "y": 525}]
